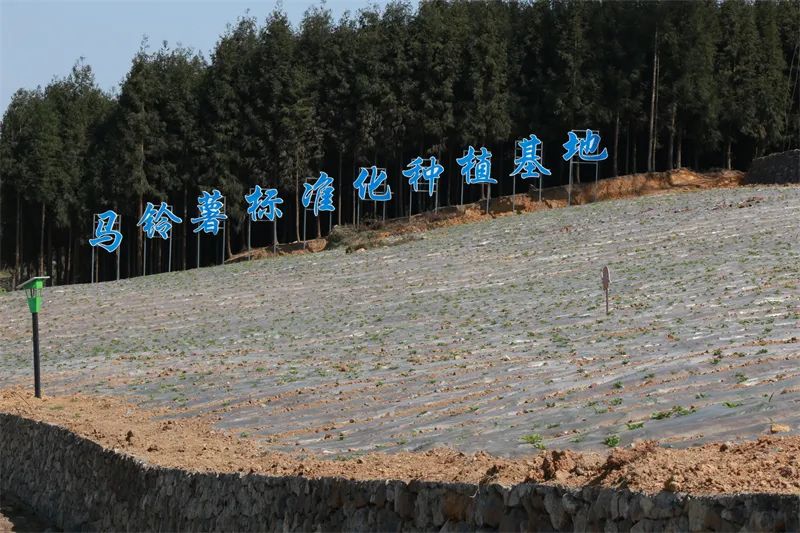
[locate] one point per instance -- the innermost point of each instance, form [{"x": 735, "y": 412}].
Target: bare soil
[{"x": 169, "y": 438}]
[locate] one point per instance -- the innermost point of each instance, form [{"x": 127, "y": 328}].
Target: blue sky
[{"x": 42, "y": 39}]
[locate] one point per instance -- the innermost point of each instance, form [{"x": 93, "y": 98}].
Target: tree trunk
[
  {"x": 679, "y": 160},
  {"x": 655, "y": 118},
  {"x": 628, "y": 149},
  {"x": 139, "y": 242},
  {"x": 184, "y": 243},
  {"x": 49, "y": 267},
  {"x": 41, "y": 244},
  {"x": 57, "y": 279},
  {"x": 615, "y": 168},
  {"x": 16, "y": 277},
  {"x": 68, "y": 263},
  {"x": 341, "y": 189},
  {"x": 651, "y": 143},
  {"x": 671, "y": 147},
  {"x": 728, "y": 158},
  {"x": 297, "y": 206},
  {"x": 401, "y": 205},
  {"x": 75, "y": 261}
]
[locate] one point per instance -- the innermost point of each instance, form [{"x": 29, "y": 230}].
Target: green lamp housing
[{"x": 33, "y": 291}]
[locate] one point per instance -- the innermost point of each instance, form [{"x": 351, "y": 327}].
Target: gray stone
[
  {"x": 559, "y": 517},
  {"x": 514, "y": 520},
  {"x": 403, "y": 502},
  {"x": 489, "y": 508}
]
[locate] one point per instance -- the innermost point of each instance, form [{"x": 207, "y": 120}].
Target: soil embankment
[{"x": 770, "y": 464}]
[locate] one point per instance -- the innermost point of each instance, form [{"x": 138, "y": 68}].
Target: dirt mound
[
  {"x": 770, "y": 464},
  {"x": 656, "y": 182}
]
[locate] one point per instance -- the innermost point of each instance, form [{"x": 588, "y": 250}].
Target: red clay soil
[{"x": 770, "y": 464}]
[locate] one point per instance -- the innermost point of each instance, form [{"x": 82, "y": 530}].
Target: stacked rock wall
[{"x": 78, "y": 485}]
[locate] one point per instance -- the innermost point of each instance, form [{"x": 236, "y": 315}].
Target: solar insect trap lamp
[{"x": 33, "y": 291}]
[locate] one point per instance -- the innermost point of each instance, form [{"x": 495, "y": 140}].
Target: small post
[
  {"x": 606, "y": 283},
  {"x": 569, "y": 190},
  {"x": 513, "y": 194},
  {"x": 275, "y": 236},
  {"x": 37, "y": 376},
  {"x": 119, "y": 221},
  {"x": 224, "y": 229},
  {"x": 540, "y": 187},
  {"x": 33, "y": 291}
]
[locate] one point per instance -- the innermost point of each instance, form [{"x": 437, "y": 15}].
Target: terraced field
[{"x": 491, "y": 335}]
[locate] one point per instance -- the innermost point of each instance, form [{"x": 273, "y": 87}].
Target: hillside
[{"x": 483, "y": 336}]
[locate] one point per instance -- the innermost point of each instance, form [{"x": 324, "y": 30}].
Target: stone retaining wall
[
  {"x": 79, "y": 485},
  {"x": 783, "y": 167}
]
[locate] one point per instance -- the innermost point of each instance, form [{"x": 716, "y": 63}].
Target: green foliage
[{"x": 535, "y": 440}]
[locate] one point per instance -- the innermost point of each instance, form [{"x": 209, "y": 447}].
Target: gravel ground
[{"x": 490, "y": 335}]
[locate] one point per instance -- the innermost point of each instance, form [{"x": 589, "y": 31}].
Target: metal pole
[
  {"x": 488, "y": 196},
  {"x": 596, "y": 171},
  {"x": 197, "y": 265},
  {"x": 513, "y": 194},
  {"x": 541, "y": 176},
  {"x": 462, "y": 192},
  {"x": 224, "y": 228},
  {"x": 37, "y": 378},
  {"x": 569, "y": 188},
  {"x": 92, "y": 273},
  {"x": 410, "y": 199},
  {"x": 436, "y": 205},
  {"x": 275, "y": 236},
  {"x": 118, "y": 248},
  {"x": 144, "y": 258},
  {"x": 540, "y": 186},
  {"x": 305, "y": 216},
  {"x": 169, "y": 255}
]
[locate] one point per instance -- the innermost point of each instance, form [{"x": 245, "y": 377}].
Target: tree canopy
[{"x": 700, "y": 83}]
